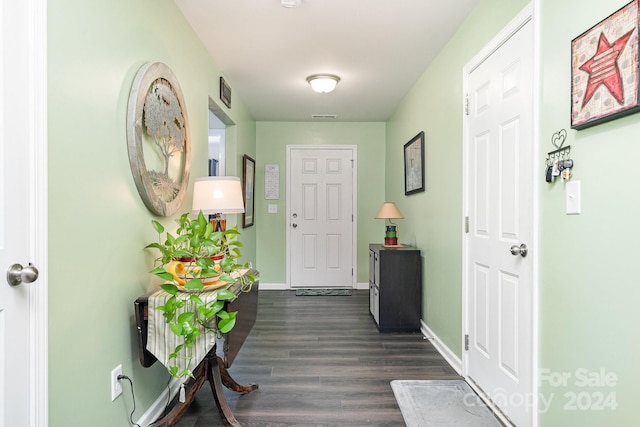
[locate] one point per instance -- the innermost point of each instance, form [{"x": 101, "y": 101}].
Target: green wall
[
  {"x": 97, "y": 222},
  {"x": 272, "y": 140},
  {"x": 433, "y": 219},
  {"x": 587, "y": 288},
  {"x": 588, "y": 283}
]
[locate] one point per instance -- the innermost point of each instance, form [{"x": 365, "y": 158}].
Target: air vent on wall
[{"x": 323, "y": 116}]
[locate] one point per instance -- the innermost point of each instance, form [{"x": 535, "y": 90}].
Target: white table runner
[{"x": 161, "y": 341}]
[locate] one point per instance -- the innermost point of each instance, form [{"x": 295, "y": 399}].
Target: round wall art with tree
[{"x": 158, "y": 138}]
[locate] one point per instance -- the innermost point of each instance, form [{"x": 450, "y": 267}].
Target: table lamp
[
  {"x": 390, "y": 211},
  {"x": 217, "y": 195}
]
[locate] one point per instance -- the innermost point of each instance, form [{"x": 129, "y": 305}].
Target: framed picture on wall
[
  {"x": 248, "y": 186},
  {"x": 604, "y": 69},
  {"x": 414, "y": 165},
  {"x": 225, "y": 92}
]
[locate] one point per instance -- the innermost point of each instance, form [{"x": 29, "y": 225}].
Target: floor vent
[{"x": 324, "y": 116}]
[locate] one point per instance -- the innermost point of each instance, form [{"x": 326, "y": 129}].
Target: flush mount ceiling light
[
  {"x": 323, "y": 83},
  {"x": 290, "y": 3}
]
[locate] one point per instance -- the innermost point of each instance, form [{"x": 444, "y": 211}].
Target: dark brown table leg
[
  {"x": 211, "y": 369},
  {"x": 191, "y": 388},
  {"x": 230, "y": 383},
  {"x": 213, "y": 375}
]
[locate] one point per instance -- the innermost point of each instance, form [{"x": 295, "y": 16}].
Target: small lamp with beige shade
[{"x": 390, "y": 211}]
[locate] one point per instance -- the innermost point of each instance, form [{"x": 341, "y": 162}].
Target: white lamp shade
[
  {"x": 323, "y": 83},
  {"x": 217, "y": 194},
  {"x": 389, "y": 210}
]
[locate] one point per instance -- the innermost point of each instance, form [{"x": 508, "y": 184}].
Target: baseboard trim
[
  {"x": 157, "y": 408},
  {"x": 273, "y": 286},
  {"x": 449, "y": 356},
  {"x": 283, "y": 286}
]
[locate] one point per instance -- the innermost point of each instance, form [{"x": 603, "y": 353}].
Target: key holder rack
[
  {"x": 563, "y": 153},
  {"x": 559, "y": 162}
]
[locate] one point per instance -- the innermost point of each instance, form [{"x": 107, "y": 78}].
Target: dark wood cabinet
[{"x": 395, "y": 288}]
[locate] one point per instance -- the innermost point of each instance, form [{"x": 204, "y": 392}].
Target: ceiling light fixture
[
  {"x": 323, "y": 83},
  {"x": 290, "y": 3}
]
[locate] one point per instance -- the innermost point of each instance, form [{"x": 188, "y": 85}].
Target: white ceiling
[{"x": 379, "y": 48}]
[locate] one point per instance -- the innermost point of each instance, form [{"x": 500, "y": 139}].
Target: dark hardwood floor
[{"x": 320, "y": 361}]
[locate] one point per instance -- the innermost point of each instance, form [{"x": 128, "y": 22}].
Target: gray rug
[
  {"x": 322, "y": 292},
  {"x": 441, "y": 403}
]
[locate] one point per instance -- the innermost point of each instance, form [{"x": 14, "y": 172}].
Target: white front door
[
  {"x": 320, "y": 209},
  {"x": 499, "y": 204},
  {"x": 23, "y": 124}
]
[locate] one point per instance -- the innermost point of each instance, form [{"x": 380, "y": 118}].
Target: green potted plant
[{"x": 190, "y": 262}]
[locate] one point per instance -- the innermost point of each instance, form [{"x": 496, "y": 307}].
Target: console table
[
  {"x": 212, "y": 368},
  {"x": 395, "y": 288}
]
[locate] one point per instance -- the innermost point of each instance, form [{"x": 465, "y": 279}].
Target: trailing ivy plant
[
  {"x": 197, "y": 317},
  {"x": 186, "y": 313}
]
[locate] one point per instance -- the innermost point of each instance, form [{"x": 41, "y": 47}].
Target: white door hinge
[
  {"x": 466, "y": 342},
  {"x": 466, "y": 104},
  {"x": 466, "y": 225}
]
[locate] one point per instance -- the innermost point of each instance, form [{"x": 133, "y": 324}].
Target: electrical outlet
[{"x": 116, "y": 385}]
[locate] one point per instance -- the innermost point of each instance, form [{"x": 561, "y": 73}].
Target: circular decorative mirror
[{"x": 158, "y": 138}]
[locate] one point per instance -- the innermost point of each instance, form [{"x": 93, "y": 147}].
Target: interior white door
[
  {"x": 321, "y": 217},
  {"x": 500, "y": 195},
  {"x": 21, "y": 70}
]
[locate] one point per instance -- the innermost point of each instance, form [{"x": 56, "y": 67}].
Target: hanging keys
[
  {"x": 564, "y": 166},
  {"x": 549, "y": 174}
]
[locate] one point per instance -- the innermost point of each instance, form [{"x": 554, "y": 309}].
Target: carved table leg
[
  {"x": 230, "y": 383},
  {"x": 191, "y": 388},
  {"x": 211, "y": 369},
  {"x": 213, "y": 375}
]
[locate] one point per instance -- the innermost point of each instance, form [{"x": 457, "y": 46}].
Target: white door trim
[
  {"x": 530, "y": 13},
  {"x": 38, "y": 146},
  {"x": 354, "y": 177}
]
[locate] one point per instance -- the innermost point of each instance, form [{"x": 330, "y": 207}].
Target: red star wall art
[{"x": 604, "y": 69}]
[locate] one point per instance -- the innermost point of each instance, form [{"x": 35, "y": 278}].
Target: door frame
[
  {"x": 33, "y": 38},
  {"x": 529, "y": 13},
  {"x": 354, "y": 204}
]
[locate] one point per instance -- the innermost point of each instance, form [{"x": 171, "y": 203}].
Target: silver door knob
[
  {"x": 17, "y": 274},
  {"x": 519, "y": 250}
]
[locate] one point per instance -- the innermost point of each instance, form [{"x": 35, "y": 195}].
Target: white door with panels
[
  {"x": 23, "y": 361},
  {"x": 321, "y": 217},
  {"x": 498, "y": 274}
]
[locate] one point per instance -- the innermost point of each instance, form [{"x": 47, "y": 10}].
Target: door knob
[
  {"x": 294, "y": 225},
  {"x": 519, "y": 250},
  {"x": 17, "y": 274}
]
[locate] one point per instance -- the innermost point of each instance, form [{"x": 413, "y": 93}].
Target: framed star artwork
[{"x": 604, "y": 70}]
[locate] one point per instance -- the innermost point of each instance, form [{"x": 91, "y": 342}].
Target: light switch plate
[
  {"x": 573, "y": 197},
  {"x": 273, "y": 208}
]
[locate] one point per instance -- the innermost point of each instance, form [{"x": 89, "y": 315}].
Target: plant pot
[{"x": 185, "y": 269}]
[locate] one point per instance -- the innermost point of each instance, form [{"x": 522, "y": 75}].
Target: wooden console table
[{"x": 212, "y": 368}]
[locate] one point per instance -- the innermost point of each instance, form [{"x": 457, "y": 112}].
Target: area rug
[
  {"x": 323, "y": 292},
  {"x": 441, "y": 403}
]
